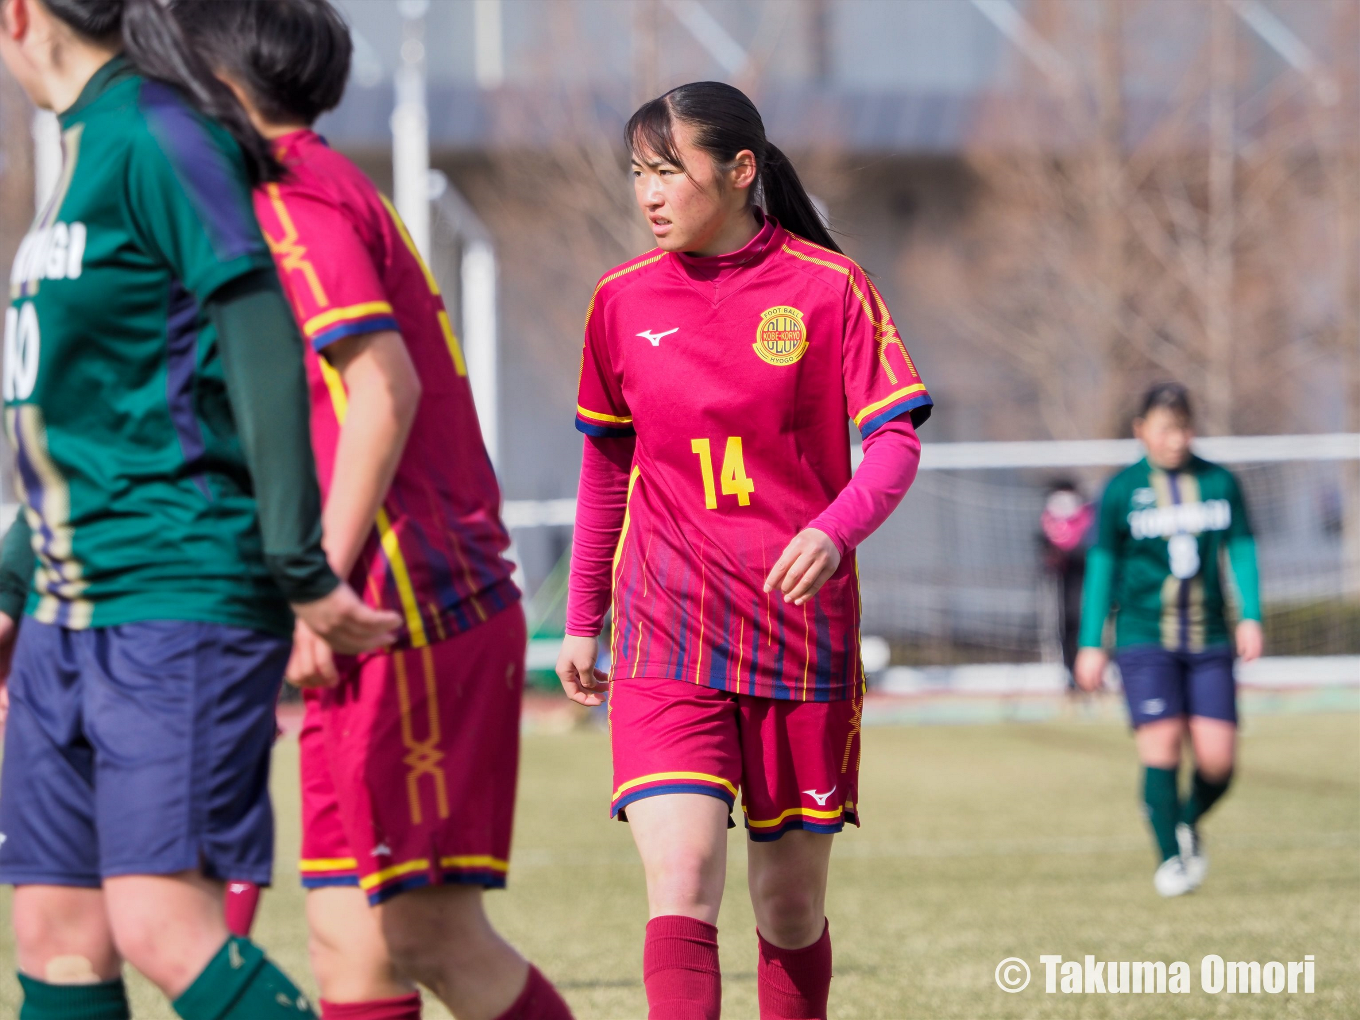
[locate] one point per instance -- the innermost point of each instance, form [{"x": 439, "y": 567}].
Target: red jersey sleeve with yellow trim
[
  {"x": 601, "y": 410},
  {"x": 326, "y": 269},
  {"x": 881, "y": 381}
]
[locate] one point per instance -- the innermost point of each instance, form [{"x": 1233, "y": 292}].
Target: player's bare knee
[
  {"x": 789, "y": 914},
  {"x": 682, "y": 885},
  {"x": 62, "y": 945},
  {"x": 417, "y": 957},
  {"x": 139, "y": 944}
]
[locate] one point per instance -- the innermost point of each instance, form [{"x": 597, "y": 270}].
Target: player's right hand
[
  {"x": 9, "y": 631},
  {"x": 346, "y": 624},
  {"x": 583, "y": 683},
  {"x": 1089, "y": 669}
]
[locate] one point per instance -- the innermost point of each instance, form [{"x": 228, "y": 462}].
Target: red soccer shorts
[
  {"x": 795, "y": 762},
  {"x": 409, "y": 765}
]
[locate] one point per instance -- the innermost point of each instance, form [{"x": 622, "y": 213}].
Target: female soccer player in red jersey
[
  {"x": 409, "y": 755},
  {"x": 716, "y": 501}
]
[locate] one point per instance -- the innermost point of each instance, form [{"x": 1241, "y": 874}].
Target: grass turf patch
[{"x": 980, "y": 843}]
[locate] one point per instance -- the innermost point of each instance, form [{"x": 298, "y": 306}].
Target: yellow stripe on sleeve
[
  {"x": 317, "y": 323},
  {"x": 597, "y": 416},
  {"x": 890, "y": 398}
]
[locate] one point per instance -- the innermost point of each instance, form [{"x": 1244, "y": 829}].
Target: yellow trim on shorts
[
  {"x": 328, "y": 864},
  {"x": 396, "y": 871},
  {"x": 806, "y": 812},
  {"x": 658, "y": 776},
  {"x": 475, "y": 861}
]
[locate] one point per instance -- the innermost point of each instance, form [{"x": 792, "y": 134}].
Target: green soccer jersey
[
  {"x": 1159, "y": 554},
  {"x": 129, "y": 462}
]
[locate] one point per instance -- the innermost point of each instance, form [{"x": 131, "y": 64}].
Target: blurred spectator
[{"x": 1065, "y": 522}]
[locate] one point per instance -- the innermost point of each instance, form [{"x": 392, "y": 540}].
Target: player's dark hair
[
  {"x": 155, "y": 46},
  {"x": 291, "y": 56},
  {"x": 725, "y": 123},
  {"x": 1169, "y": 395}
]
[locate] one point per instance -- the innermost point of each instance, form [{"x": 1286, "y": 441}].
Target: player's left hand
[
  {"x": 312, "y": 663},
  {"x": 1250, "y": 640},
  {"x": 804, "y": 566}
]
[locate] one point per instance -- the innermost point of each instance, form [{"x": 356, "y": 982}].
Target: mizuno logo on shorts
[{"x": 820, "y": 798}]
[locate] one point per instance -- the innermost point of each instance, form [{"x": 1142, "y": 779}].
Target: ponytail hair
[
  {"x": 725, "y": 122},
  {"x": 155, "y": 46}
]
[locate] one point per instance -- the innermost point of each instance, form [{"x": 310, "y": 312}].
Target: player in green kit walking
[
  {"x": 155, "y": 399},
  {"x": 1167, "y": 524}
]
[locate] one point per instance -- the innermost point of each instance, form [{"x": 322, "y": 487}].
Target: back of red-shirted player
[{"x": 349, "y": 267}]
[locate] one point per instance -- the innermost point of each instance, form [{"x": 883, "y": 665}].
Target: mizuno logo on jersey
[
  {"x": 1181, "y": 519},
  {"x": 655, "y": 338},
  {"x": 820, "y": 798},
  {"x": 52, "y": 253}
]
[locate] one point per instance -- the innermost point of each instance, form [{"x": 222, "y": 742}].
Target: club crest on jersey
[{"x": 781, "y": 337}]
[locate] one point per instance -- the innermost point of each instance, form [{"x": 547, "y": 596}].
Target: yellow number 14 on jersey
[{"x": 735, "y": 481}]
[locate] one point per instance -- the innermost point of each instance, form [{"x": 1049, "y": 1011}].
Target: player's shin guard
[
  {"x": 1162, "y": 804},
  {"x": 539, "y": 1001},
  {"x": 241, "y": 983},
  {"x": 680, "y": 969},
  {"x": 793, "y": 984},
  {"x": 241, "y": 901},
  {"x": 403, "y": 1007},
  {"x": 1204, "y": 794},
  {"x": 106, "y": 1000}
]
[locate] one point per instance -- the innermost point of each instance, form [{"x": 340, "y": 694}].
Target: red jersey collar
[
  {"x": 711, "y": 267},
  {"x": 287, "y": 147}
]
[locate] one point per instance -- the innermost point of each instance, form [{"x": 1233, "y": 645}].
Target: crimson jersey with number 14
[{"x": 738, "y": 392}]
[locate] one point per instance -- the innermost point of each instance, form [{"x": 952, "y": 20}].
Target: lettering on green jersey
[
  {"x": 23, "y": 344},
  {"x": 1181, "y": 519},
  {"x": 49, "y": 253}
]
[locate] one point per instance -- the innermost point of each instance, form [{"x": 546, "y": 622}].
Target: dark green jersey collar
[{"x": 117, "y": 68}]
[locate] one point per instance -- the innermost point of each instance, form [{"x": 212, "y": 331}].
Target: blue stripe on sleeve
[
  {"x": 213, "y": 180},
  {"x": 604, "y": 431},
  {"x": 919, "y": 407},
  {"x": 372, "y": 324}
]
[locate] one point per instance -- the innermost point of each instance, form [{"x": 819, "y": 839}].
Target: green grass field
[{"x": 980, "y": 843}]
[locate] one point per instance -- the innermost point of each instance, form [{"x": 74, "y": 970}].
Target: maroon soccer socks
[{"x": 794, "y": 983}]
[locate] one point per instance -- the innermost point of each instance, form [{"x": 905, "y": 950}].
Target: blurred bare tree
[{"x": 1209, "y": 235}]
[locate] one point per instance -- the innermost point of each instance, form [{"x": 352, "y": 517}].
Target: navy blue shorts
[
  {"x": 141, "y": 749},
  {"x": 1162, "y": 684}
]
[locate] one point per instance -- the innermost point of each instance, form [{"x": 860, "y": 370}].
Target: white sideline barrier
[
  {"x": 1061, "y": 453},
  {"x": 1274, "y": 672},
  {"x": 1269, "y": 673}
]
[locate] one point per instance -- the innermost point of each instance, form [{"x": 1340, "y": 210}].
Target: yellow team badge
[{"x": 781, "y": 337}]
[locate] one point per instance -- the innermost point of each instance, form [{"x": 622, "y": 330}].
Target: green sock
[
  {"x": 1203, "y": 795},
  {"x": 1163, "y": 808},
  {"x": 241, "y": 983},
  {"x": 106, "y": 1000}
]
